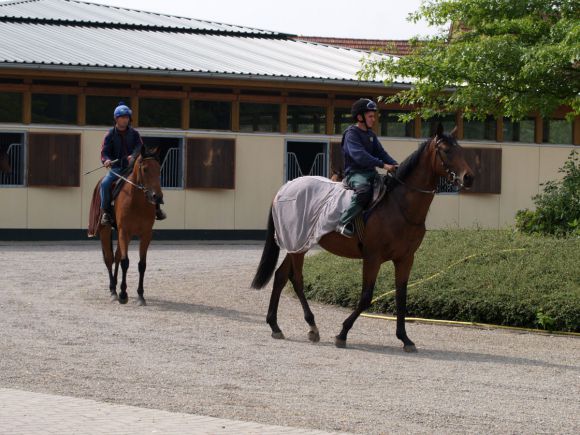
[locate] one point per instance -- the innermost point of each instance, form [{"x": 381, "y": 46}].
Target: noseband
[{"x": 451, "y": 175}]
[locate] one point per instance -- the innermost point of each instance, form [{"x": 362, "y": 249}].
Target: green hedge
[{"x": 535, "y": 285}]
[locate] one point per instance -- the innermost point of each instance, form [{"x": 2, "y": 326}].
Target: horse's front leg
[
  {"x": 402, "y": 272},
  {"x": 143, "y": 246},
  {"x": 123, "y": 246},
  {"x": 106, "y": 237},
  {"x": 371, "y": 268}
]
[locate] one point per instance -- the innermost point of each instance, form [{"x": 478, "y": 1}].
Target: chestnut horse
[
  {"x": 393, "y": 232},
  {"x": 134, "y": 216}
]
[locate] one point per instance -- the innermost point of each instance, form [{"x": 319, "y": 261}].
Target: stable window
[
  {"x": 306, "y": 119},
  {"x": 210, "y": 115},
  {"x": 10, "y": 107},
  {"x": 476, "y": 129},
  {"x": 12, "y": 159},
  {"x": 211, "y": 163},
  {"x": 259, "y": 117},
  {"x": 54, "y": 109},
  {"x": 558, "y": 131},
  {"x": 306, "y": 158},
  {"x": 486, "y": 166},
  {"x": 159, "y": 112},
  {"x": 391, "y": 126},
  {"x": 54, "y": 159},
  {"x": 170, "y": 151},
  {"x": 342, "y": 120},
  {"x": 100, "y": 109},
  {"x": 429, "y": 126},
  {"x": 521, "y": 131}
]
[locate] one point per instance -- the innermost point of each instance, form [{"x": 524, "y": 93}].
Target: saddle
[
  {"x": 95, "y": 213},
  {"x": 382, "y": 184}
]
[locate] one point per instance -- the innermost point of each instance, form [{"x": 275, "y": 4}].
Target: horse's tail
[{"x": 269, "y": 257}]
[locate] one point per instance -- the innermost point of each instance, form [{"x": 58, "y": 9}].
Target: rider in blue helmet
[
  {"x": 121, "y": 145},
  {"x": 363, "y": 153}
]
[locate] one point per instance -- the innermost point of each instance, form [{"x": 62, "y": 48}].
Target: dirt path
[{"x": 202, "y": 346}]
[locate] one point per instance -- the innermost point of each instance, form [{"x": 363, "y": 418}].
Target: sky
[{"x": 384, "y": 19}]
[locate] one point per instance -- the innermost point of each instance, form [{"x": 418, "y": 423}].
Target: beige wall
[{"x": 259, "y": 173}]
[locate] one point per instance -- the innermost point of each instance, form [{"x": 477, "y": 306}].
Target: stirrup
[{"x": 345, "y": 230}]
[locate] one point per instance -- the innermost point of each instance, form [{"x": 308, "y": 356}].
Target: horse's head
[
  {"x": 148, "y": 170},
  {"x": 4, "y": 162},
  {"x": 450, "y": 159}
]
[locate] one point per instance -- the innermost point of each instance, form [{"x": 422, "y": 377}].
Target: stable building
[{"x": 236, "y": 112}]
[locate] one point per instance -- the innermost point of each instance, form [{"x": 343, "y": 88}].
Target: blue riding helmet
[{"x": 122, "y": 110}]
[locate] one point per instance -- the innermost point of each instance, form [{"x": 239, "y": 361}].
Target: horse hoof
[
  {"x": 141, "y": 302},
  {"x": 314, "y": 336},
  {"x": 410, "y": 348},
  {"x": 114, "y": 297},
  {"x": 339, "y": 342},
  {"x": 278, "y": 335},
  {"x": 123, "y": 301}
]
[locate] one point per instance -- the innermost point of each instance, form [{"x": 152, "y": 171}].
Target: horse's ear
[
  {"x": 439, "y": 131},
  {"x": 454, "y": 132},
  {"x": 142, "y": 150}
]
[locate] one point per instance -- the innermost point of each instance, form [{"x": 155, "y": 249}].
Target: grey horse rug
[{"x": 307, "y": 208}]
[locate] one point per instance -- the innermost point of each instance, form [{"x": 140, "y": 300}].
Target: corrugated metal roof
[
  {"x": 77, "y": 12},
  {"x": 65, "y": 34},
  {"x": 44, "y": 44}
]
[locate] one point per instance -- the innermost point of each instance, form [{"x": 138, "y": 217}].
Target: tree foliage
[{"x": 502, "y": 57}]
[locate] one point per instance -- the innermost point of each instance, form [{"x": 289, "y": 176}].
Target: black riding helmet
[{"x": 361, "y": 107}]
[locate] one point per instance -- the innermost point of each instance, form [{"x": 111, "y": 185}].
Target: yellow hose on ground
[{"x": 452, "y": 322}]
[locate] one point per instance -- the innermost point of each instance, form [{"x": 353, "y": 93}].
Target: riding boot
[
  {"x": 159, "y": 214},
  {"x": 107, "y": 217}
]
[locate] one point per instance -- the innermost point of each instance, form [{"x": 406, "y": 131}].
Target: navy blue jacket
[
  {"x": 121, "y": 146},
  {"x": 363, "y": 151}
]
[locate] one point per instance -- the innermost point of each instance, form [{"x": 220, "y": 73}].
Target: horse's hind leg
[
  {"x": 280, "y": 280},
  {"x": 143, "y": 246},
  {"x": 297, "y": 280}
]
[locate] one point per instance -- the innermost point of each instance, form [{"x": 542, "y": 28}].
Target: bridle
[
  {"x": 451, "y": 175},
  {"x": 139, "y": 186}
]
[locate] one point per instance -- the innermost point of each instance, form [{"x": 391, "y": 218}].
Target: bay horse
[
  {"x": 134, "y": 216},
  {"x": 393, "y": 232}
]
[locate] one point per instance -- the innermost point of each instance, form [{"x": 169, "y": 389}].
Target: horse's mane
[{"x": 411, "y": 162}]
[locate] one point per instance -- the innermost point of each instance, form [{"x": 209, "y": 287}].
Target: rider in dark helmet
[
  {"x": 122, "y": 144},
  {"x": 362, "y": 154}
]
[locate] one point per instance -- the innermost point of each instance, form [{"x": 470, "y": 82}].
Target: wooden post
[
  {"x": 27, "y": 107},
  {"x": 82, "y": 109},
  {"x": 539, "y": 130},
  {"x": 330, "y": 115},
  {"x": 418, "y": 127},
  {"x": 236, "y": 111},
  {"x": 185, "y": 107},
  {"x": 284, "y": 113},
  {"x": 499, "y": 129},
  {"x": 576, "y": 131}
]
